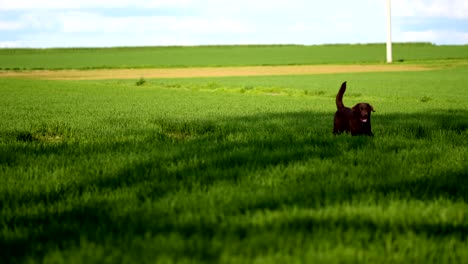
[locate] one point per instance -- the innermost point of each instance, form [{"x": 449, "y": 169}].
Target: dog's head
[{"x": 363, "y": 111}]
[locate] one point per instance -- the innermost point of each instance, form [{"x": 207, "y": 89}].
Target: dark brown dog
[{"x": 356, "y": 120}]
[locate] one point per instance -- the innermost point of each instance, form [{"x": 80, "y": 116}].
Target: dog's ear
[
  {"x": 371, "y": 108},
  {"x": 356, "y": 109}
]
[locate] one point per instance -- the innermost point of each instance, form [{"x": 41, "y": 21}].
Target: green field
[
  {"x": 147, "y": 57},
  {"x": 234, "y": 169}
]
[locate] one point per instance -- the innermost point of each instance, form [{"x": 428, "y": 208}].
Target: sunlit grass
[
  {"x": 203, "y": 56},
  {"x": 234, "y": 170}
]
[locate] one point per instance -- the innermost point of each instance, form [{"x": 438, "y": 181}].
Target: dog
[{"x": 356, "y": 120}]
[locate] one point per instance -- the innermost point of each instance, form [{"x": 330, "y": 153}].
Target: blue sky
[{"x": 104, "y": 23}]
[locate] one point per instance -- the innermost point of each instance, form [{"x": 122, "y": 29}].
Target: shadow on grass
[
  {"x": 451, "y": 184},
  {"x": 424, "y": 125},
  {"x": 205, "y": 153}
]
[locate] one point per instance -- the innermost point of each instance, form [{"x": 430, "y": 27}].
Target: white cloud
[
  {"x": 197, "y": 22},
  {"x": 430, "y": 8},
  {"x": 80, "y": 4},
  {"x": 80, "y": 22},
  {"x": 10, "y": 44},
  {"x": 11, "y": 25},
  {"x": 434, "y": 36}
]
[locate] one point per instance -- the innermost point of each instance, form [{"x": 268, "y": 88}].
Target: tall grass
[
  {"x": 146, "y": 57},
  {"x": 231, "y": 170}
]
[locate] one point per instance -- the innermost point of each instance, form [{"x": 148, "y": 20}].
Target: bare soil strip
[{"x": 206, "y": 72}]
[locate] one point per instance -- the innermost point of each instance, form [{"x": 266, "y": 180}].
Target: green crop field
[
  {"x": 147, "y": 57},
  {"x": 234, "y": 169}
]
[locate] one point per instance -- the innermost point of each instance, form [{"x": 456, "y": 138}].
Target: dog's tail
[{"x": 339, "y": 96}]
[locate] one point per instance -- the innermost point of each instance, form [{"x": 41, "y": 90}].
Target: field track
[{"x": 99, "y": 74}]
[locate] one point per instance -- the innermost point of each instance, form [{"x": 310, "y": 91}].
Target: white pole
[{"x": 389, "y": 32}]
